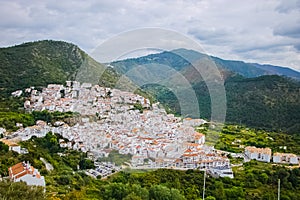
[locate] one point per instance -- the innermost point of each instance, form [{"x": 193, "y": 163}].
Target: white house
[
  {"x": 27, "y": 173},
  {"x": 199, "y": 138},
  {"x": 285, "y": 158},
  {"x": 2, "y": 130},
  {"x": 260, "y": 154},
  {"x": 17, "y": 93}
]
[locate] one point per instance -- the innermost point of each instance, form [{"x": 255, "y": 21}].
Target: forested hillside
[
  {"x": 43, "y": 62},
  {"x": 254, "y": 98}
]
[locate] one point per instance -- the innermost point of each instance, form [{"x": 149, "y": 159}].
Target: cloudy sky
[{"x": 251, "y": 30}]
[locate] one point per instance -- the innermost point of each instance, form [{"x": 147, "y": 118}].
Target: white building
[
  {"x": 199, "y": 138},
  {"x": 285, "y": 158},
  {"x": 260, "y": 154},
  {"x": 17, "y": 93},
  {"x": 27, "y": 173},
  {"x": 2, "y": 130}
]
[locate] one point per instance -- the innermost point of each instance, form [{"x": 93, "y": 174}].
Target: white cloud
[{"x": 260, "y": 31}]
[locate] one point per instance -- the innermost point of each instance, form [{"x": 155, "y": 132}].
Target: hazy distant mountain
[{"x": 176, "y": 59}]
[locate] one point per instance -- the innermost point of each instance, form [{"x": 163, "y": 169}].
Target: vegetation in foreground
[{"x": 253, "y": 180}]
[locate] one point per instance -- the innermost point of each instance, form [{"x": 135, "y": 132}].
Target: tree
[
  {"x": 175, "y": 195},
  {"x": 210, "y": 198},
  {"x": 115, "y": 191},
  {"x": 10, "y": 190},
  {"x": 132, "y": 196},
  {"x": 3, "y": 147},
  {"x": 263, "y": 178},
  {"x": 159, "y": 192},
  {"x": 86, "y": 164}
]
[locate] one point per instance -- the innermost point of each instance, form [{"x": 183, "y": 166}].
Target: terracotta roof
[
  {"x": 285, "y": 154},
  {"x": 21, "y": 169},
  {"x": 16, "y": 169},
  {"x": 188, "y": 150},
  {"x": 258, "y": 150},
  {"x": 190, "y": 155},
  {"x": 192, "y": 144}
]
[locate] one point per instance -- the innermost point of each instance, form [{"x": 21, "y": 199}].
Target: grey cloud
[
  {"x": 288, "y": 30},
  {"x": 297, "y": 46},
  {"x": 260, "y": 46},
  {"x": 208, "y": 33},
  {"x": 288, "y": 6},
  {"x": 227, "y": 30},
  {"x": 291, "y": 31}
]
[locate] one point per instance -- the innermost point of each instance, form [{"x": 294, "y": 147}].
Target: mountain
[
  {"x": 43, "y": 62},
  {"x": 181, "y": 58},
  {"x": 256, "y": 95}
]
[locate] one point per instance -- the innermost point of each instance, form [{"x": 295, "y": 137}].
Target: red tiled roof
[{"x": 20, "y": 169}]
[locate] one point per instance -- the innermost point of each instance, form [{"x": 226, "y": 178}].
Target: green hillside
[
  {"x": 270, "y": 102},
  {"x": 43, "y": 62}
]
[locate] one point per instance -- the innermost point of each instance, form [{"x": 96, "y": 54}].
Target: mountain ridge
[
  {"x": 246, "y": 69},
  {"x": 262, "y": 69}
]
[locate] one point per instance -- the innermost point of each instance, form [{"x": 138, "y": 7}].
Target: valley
[{"x": 91, "y": 140}]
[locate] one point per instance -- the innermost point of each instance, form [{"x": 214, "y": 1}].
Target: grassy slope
[{"x": 43, "y": 62}]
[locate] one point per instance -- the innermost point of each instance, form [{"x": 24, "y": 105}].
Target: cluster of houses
[
  {"x": 153, "y": 137},
  {"x": 265, "y": 155},
  {"x": 85, "y": 99}
]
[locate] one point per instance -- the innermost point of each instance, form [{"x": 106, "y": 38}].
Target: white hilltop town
[{"x": 110, "y": 121}]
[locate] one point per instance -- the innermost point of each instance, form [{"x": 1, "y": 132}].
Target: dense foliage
[
  {"x": 253, "y": 181},
  {"x": 8, "y": 120},
  {"x": 12, "y": 191},
  {"x": 269, "y": 102},
  {"x": 38, "y": 63}
]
